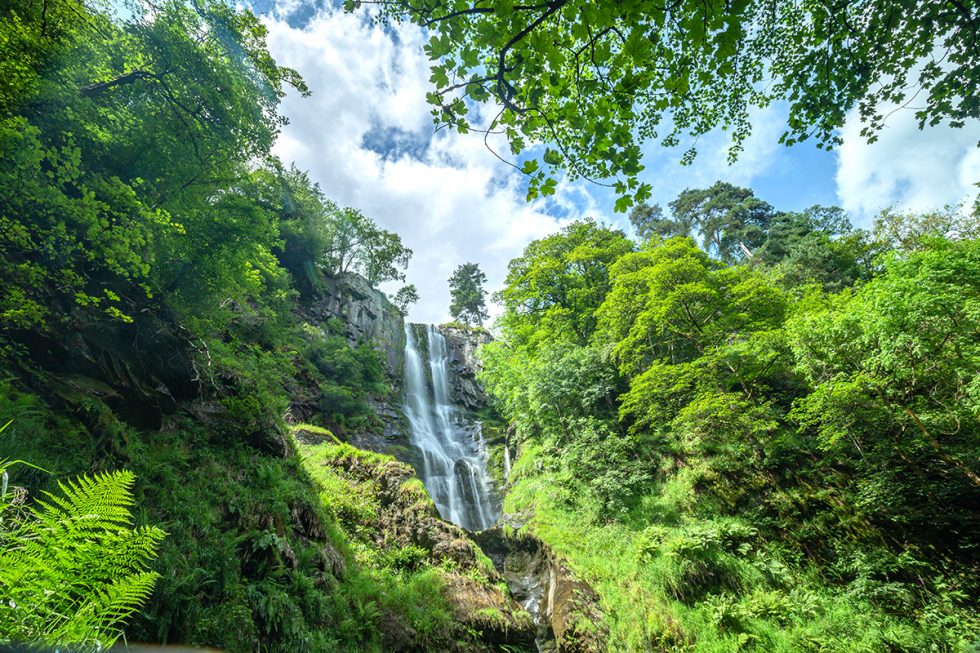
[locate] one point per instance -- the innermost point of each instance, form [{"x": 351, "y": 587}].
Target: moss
[
  {"x": 317, "y": 430},
  {"x": 260, "y": 549},
  {"x": 462, "y": 326}
]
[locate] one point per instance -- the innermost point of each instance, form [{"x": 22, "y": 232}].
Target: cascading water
[{"x": 453, "y": 458}]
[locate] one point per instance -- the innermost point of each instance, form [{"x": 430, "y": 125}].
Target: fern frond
[
  {"x": 108, "y": 495},
  {"x": 73, "y": 569},
  {"x": 98, "y": 619}
]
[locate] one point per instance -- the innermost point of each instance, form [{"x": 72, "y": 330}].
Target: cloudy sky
[{"x": 366, "y": 136}]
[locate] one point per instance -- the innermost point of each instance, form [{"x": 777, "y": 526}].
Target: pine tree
[{"x": 468, "y": 296}]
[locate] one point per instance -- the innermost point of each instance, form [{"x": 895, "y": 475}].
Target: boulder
[
  {"x": 565, "y": 609},
  {"x": 407, "y": 517}
]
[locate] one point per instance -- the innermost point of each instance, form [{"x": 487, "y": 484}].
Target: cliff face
[
  {"x": 368, "y": 317},
  {"x": 461, "y": 345}
]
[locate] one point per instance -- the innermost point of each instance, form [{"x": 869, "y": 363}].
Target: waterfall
[{"x": 453, "y": 457}]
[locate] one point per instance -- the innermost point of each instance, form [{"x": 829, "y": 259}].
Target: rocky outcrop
[
  {"x": 565, "y": 609},
  {"x": 461, "y": 346},
  {"x": 406, "y": 520},
  {"x": 366, "y": 314},
  {"x": 141, "y": 370},
  {"x": 366, "y": 317}
]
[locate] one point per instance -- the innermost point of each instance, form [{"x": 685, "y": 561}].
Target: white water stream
[{"x": 453, "y": 457}]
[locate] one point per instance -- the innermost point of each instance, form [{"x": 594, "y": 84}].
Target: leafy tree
[
  {"x": 563, "y": 382},
  {"x": 554, "y": 288},
  {"x": 682, "y": 326},
  {"x": 468, "y": 296},
  {"x": 357, "y": 244},
  {"x": 598, "y": 80},
  {"x": 817, "y": 245},
  {"x": 912, "y": 231},
  {"x": 72, "y": 568},
  {"x": 732, "y": 454},
  {"x": 405, "y": 297},
  {"x": 895, "y": 385},
  {"x": 732, "y": 221},
  {"x": 306, "y": 219},
  {"x": 319, "y": 234},
  {"x": 117, "y": 133}
]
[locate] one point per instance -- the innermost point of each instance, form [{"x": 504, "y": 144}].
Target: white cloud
[
  {"x": 907, "y": 167},
  {"x": 453, "y": 202}
]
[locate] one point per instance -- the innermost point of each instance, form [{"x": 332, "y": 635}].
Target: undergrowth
[
  {"x": 259, "y": 553},
  {"x": 673, "y": 578}
]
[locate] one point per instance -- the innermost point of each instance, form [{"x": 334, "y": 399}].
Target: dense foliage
[
  {"x": 157, "y": 266},
  {"x": 768, "y": 441},
  {"x": 597, "y": 80},
  {"x": 71, "y": 568},
  {"x": 773, "y": 451}
]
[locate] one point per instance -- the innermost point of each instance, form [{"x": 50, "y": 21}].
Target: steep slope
[{"x": 272, "y": 544}]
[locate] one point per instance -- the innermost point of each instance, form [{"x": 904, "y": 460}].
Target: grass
[
  {"x": 462, "y": 326},
  {"x": 261, "y": 550},
  {"x": 670, "y": 579},
  {"x": 315, "y": 430}
]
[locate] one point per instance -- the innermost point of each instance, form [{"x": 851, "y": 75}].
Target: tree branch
[{"x": 98, "y": 88}]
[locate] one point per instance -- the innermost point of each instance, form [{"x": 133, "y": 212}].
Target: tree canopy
[
  {"x": 554, "y": 288},
  {"x": 710, "y": 427},
  {"x": 598, "y": 80}
]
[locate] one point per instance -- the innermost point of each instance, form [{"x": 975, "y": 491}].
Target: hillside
[{"x": 737, "y": 428}]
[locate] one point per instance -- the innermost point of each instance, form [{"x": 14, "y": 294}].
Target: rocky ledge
[{"x": 565, "y": 609}]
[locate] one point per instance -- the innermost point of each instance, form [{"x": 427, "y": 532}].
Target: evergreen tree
[
  {"x": 732, "y": 221},
  {"x": 648, "y": 220},
  {"x": 468, "y": 296}
]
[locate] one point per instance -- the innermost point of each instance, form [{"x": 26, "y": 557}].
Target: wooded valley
[{"x": 731, "y": 427}]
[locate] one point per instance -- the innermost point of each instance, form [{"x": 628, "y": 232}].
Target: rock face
[
  {"x": 367, "y": 316},
  {"x": 565, "y": 609},
  {"x": 461, "y": 344},
  {"x": 142, "y": 371}
]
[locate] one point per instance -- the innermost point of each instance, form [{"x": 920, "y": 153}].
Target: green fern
[{"x": 72, "y": 568}]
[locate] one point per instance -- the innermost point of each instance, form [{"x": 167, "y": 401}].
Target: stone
[
  {"x": 464, "y": 365},
  {"x": 368, "y": 317},
  {"x": 407, "y": 516},
  {"x": 565, "y": 609}
]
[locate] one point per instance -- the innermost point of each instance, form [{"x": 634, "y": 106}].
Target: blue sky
[{"x": 367, "y": 137}]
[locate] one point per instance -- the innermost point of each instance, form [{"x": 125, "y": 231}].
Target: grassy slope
[{"x": 671, "y": 579}]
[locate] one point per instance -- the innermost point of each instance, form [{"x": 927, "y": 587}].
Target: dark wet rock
[
  {"x": 392, "y": 434},
  {"x": 366, "y": 315},
  {"x": 397, "y": 636},
  {"x": 486, "y": 609},
  {"x": 461, "y": 347},
  {"x": 565, "y": 609},
  {"x": 141, "y": 370}
]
